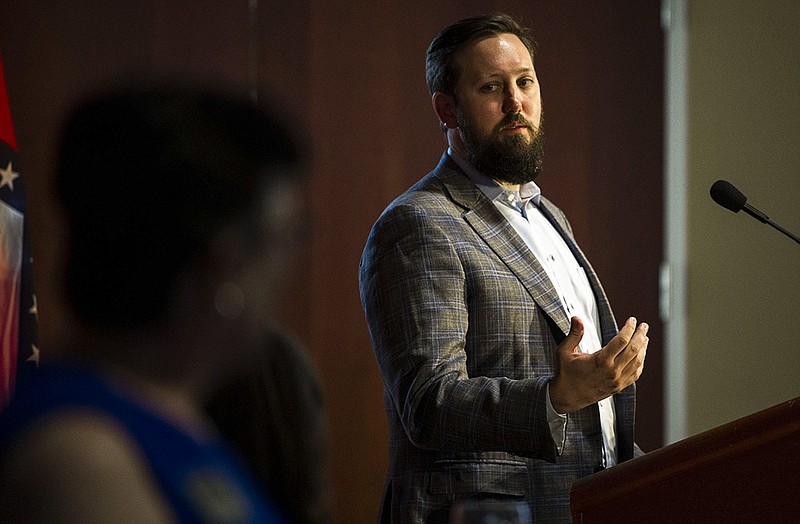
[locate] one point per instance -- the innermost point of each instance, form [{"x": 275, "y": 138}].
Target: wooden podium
[{"x": 745, "y": 471}]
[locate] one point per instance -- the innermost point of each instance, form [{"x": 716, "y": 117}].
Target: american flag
[{"x": 18, "y": 351}]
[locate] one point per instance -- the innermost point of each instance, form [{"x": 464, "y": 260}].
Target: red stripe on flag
[{"x": 6, "y": 127}]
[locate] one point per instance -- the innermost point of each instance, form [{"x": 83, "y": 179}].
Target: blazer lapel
[
  {"x": 608, "y": 322},
  {"x": 502, "y": 238}
]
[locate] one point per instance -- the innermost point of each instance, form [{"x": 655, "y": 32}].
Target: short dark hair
[
  {"x": 441, "y": 71},
  {"x": 147, "y": 178}
]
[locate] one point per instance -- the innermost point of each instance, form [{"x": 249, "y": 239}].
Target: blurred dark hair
[
  {"x": 147, "y": 178},
  {"x": 441, "y": 70}
]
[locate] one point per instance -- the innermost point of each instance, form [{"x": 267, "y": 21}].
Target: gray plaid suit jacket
[{"x": 465, "y": 323}]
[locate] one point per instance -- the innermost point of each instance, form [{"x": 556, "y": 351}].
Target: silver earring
[{"x": 229, "y": 300}]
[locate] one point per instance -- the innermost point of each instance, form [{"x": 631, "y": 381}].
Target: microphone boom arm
[
  {"x": 761, "y": 217},
  {"x": 726, "y": 195}
]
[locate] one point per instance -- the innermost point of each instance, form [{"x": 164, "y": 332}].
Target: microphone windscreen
[{"x": 725, "y": 194}]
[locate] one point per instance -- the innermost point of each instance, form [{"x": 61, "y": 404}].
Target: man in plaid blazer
[{"x": 506, "y": 377}]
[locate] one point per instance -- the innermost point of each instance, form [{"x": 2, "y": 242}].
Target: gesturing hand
[{"x": 583, "y": 379}]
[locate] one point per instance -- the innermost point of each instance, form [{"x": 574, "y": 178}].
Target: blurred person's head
[{"x": 181, "y": 210}]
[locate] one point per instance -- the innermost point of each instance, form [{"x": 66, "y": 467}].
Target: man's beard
[{"x": 512, "y": 159}]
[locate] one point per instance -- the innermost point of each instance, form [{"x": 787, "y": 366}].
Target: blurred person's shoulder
[{"x": 78, "y": 465}]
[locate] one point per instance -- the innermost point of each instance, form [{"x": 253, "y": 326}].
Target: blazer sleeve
[{"x": 412, "y": 284}]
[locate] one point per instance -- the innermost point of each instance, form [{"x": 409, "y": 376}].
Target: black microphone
[{"x": 725, "y": 194}]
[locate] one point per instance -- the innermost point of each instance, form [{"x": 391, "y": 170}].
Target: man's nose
[{"x": 512, "y": 103}]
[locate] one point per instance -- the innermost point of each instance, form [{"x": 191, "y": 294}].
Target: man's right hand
[{"x": 584, "y": 379}]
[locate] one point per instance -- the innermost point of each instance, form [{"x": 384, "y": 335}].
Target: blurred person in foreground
[
  {"x": 506, "y": 377},
  {"x": 181, "y": 207},
  {"x": 272, "y": 410}
]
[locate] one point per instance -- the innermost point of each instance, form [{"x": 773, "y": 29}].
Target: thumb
[{"x": 570, "y": 343}]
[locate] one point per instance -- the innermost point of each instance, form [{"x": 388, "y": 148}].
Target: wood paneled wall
[{"x": 351, "y": 74}]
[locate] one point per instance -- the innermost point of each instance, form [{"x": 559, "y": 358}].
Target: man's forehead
[{"x": 504, "y": 52}]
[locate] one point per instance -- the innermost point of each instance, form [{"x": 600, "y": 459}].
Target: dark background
[{"x": 351, "y": 75}]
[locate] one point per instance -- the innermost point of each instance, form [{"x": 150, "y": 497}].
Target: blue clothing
[{"x": 200, "y": 479}]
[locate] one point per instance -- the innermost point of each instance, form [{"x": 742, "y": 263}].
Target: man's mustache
[{"x": 515, "y": 119}]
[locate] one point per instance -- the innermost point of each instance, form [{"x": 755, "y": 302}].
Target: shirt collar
[{"x": 528, "y": 192}]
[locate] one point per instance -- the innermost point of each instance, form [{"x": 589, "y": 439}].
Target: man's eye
[
  {"x": 488, "y": 88},
  {"x": 525, "y": 82}
]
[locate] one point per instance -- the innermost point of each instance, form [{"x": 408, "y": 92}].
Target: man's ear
[{"x": 445, "y": 107}]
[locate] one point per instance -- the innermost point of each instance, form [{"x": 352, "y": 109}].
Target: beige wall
[{"x": 743, "y": 277}]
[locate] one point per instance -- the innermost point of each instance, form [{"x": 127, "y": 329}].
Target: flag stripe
[
  {"x": 6, "y": 126},
  {"x": 17, "y": 302}
]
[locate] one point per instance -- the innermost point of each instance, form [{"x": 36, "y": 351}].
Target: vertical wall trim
[{"x": 674, "y": 268}]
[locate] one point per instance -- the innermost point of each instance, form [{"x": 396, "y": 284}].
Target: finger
[
  {"x": 637, "y": 343},
  {"x": 633, "y": 370},
  {"x": 620, "y": 341},
  {"x": 570, "y": 343}
]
